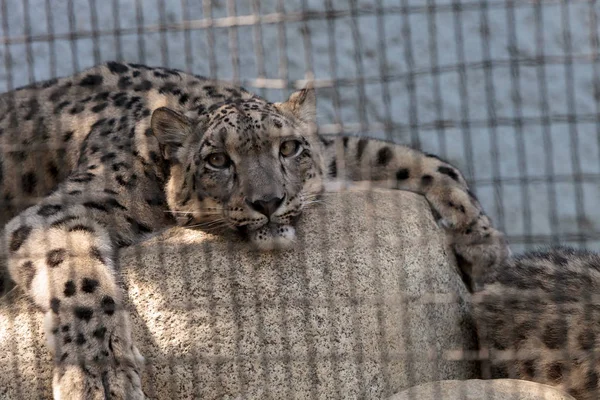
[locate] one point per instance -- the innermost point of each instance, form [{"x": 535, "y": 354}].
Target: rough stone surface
[
  {"x": 367, "y": 304},
  {"x": 475, "y": 389}
]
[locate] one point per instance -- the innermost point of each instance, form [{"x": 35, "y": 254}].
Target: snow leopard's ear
[
  {"x": 171, "y": 129},
  {"x": 302, "y": 105}
]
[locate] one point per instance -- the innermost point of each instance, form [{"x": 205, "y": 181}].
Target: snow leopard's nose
[{"x": 266, "y": 207}]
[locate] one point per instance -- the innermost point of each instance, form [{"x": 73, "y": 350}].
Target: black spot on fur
[
  {"x": 555, "y": 334},
  {"x": 80, "y": 340},
  {"x": 114, "y": 203},
  {"x": 529, "y": 369},
  {"x": 157, "y": 201},
  {"x": 55, "y": 305},
  {"x": 169, "y": 87},
  {"x": 70, "y": 289},
  {"x": 333, "y": 169},
  {"x": 108, "y": 156},
  {"x": 98, "y": 124},
  {"x": 360, "y": 148},
  {"x": 58, "y": 109},
  {"x": 53, "y": 170},
  {"x": 65, "y": 328},
  {"x": 99, "y": 333},
  {"x": 384, "y": 156},
  {"x": 124, "y": 82},
  {"x": 117, "y": 166},
  {"x": 18, "y": 156},
  {"x": 154, "y": 157},
  {"x": 96, "y": 254},
  {"x": 81, "y": 228},
  {"x": 591, "y": 380},
  {"x": 555, "y": 372},
  {"x": 91, "y": 80},
  {"x": 18, "y": 237},
  {"x": 57, "y": 94},
  {"x": 586, "y": 340},
  {"x": 77, "y": 108},
  {"x": 99, "y": 107},
  {"x": 108, "y": 305},
  {"x": 426, "y": 180},
  {"x": 28, "y": 182},
  {"x": 109, "y": 191},
  {"x": 448, "y": 171},
  {"x": 102, "y": 96},
  {"x": 522, "y": 332},
  {"x": 95, "y": 206},
  {"x": 117, "y": 68},
  {"x": 121, "y": 180},
  {"x": 49, "y": 209},
  {"x": 140, "y": 66},
  {"x": 121, "y": 241},
  {"x": 55, "y": 257},
  {"x": 89, "y": 285},
  {"x": 63, "y": 221},
  {"x": 120, "y": 99},
  {"x": 84, "y": 313},
  {"x": 34, "y": 107},
  {"x": 138, "y": 227},
  {"x": 82, "y": 178},
  {"x": 64, "y": 356},
  {"x": 144, "y": 86},
  {"x": 67, "y": 339},
  {"x": 402, "y": 174},
  {"x": 28, "y": 273}
]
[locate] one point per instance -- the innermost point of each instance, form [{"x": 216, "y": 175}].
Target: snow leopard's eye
[
  {"x": 218, "y": 161},
  {"x": 290, "y": 148}
]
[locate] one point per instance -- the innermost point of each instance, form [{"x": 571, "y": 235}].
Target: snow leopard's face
[{"x": 247, "y": 165}]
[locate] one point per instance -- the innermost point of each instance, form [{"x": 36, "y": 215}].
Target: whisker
[
  {"x": 207, "y": 211},
  {"x": 209, "y": 224},
  {"x": 311, "y": 203}
]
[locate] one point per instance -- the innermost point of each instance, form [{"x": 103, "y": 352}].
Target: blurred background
[{"x": 506, "y": 90}]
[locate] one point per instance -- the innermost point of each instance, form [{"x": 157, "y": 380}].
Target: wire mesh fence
[
  {"x": 504, "y": 90},
  {"x": 507, "y": 91}
]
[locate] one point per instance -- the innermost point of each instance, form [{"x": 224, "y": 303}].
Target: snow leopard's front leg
[
  {"x": 476, "y": 243},
  {"x": 63, "y": 258}
]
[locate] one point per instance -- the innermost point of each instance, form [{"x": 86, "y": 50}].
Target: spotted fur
[
  {"x": 538, "y": 318},
  {"x": 97, "y": 161}
]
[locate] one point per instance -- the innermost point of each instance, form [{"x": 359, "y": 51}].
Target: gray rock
[
  {"x": 475, "y": 389},
  {"x": 368, "y": 304}
]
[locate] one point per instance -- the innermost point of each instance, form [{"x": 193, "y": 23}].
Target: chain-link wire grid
[{"x": 505, "y": 90}]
